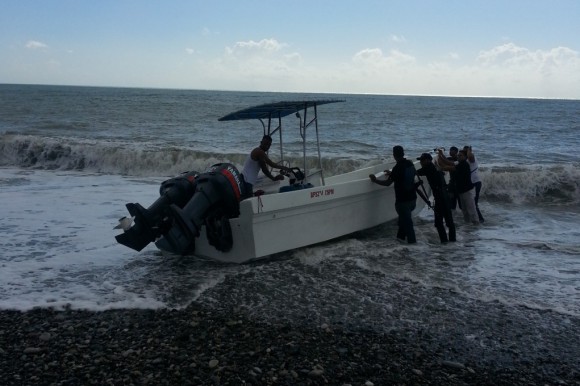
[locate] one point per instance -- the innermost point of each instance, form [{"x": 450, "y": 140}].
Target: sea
[{"x": 72, "y": 157}]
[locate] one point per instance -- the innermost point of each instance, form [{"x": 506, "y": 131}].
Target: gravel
[{"x": 201, "y": 346}]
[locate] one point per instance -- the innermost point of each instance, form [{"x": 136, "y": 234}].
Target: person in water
[
  {"x": 463, "y": 183},
  {"x": 442, "y": 208},
  {"x": 475, "y": 179},
  {"x": 403, "y": 175},
  {"x": 259, "y": 160},
  {"x": 451, "y": 188}
]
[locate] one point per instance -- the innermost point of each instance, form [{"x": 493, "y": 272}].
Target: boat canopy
[
  {"x": 275, "y": 110},
  {"x": 269, "y": 113}
]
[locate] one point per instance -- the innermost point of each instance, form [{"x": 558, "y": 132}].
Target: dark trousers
[
  {"x": 248, "y": 189},
  {"x": 406, "y": 231},
  {"x": 476, "y": 199},
  {"x": 453, "y": 196},
  {"x": 442, "y": 211}
]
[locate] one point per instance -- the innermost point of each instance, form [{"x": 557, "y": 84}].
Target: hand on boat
[
  {"x": 372, "y": 177},
  {"x": 279, "y": 177}
]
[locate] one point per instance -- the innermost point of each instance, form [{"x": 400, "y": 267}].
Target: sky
[{"x": 493, "y": 48}]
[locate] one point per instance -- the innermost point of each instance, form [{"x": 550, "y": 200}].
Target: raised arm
[
  {"x": 470, "y": 155},
  {"x": 442, "y": 161}
]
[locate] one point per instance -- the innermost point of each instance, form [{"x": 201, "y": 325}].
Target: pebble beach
[
  {"x": 200, "y": 346},
  {"x": 501, "y": 306}
]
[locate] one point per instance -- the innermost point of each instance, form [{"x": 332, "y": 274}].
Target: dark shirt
[
  {"x": 452, "y": 173},
  {"x": 403, "y": 175},
  {"x": 435, "y": 178},
  {"x": 463, "y": 177}
]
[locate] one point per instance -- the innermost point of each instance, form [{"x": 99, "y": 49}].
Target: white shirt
[
  {"x": 251, "y": 170},
  {"x": 474, "y": 173}
]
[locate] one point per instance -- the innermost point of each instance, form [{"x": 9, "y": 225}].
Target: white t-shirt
[
  {"x": 251, "y": 170},
  {"x": 474, "y": 173}
]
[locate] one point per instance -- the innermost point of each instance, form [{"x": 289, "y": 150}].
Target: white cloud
[
  {"x": 375, "y": 58},
  {"x": 262, "y": 58},
  {"x": 190, "y": 51},
  {"x": 293, "y": 57},
  {"x": 264, "y": 46},
  {"x": 368, "y": 55},
  {"x": 397, "y": 39},
  {"x": 510, "y": 55},
  {"x": 508, "y": 52},
  {"x": 505, "y": 70},
  {"x": 546, "y": 73},
  {"x": 265, "y": 65},
  {"x": 35, "y": 45}
]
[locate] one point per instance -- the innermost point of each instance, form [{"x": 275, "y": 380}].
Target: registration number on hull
[{"x": 322, "y": 192}]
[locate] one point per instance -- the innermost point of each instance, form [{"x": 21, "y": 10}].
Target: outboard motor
[
  {"x": 152, "y": 222},
  {"x": 218, "y": 193}
]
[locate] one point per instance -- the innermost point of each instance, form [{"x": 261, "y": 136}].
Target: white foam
[
  {"x": 59, "y": 250},
  {"x": 59, "y": 247}
]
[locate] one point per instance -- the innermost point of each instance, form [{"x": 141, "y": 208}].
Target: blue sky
[{"x": 511, "y": 48}]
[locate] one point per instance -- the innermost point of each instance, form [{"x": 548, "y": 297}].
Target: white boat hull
[
  {"x": 278, "y": 222},
  {"x": 314, "y": 210}
]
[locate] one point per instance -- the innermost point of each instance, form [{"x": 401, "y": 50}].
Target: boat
[{"x": 210, "y": 215}]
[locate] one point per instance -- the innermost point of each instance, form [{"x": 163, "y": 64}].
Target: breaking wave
[
  {"x": 126, "y": 158},
  {"x": 541, "y": 184}
]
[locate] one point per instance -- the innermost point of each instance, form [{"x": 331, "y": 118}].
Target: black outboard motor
[
  {"x": 218, "y": 190},
  {"x": 152, "y": 222}
]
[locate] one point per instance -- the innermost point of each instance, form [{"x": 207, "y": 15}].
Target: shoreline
[{"x": 201, "y": 346}]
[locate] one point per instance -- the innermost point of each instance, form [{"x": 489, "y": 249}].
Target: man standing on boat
[
  {"x": 259, "y": 160},
  {"x": 403, "y": 175}
]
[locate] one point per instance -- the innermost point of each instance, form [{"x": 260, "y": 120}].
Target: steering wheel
[
  {"x": 298, "y": 174},
  {"x": 283, "y": 163}
]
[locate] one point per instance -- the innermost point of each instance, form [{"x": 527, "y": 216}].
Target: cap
[{"x": 426, "y": 156}]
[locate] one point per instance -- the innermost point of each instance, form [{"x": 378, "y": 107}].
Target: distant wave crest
[
  {"x": 542, "y": 184},
  {"x": 130, "y": 159}
]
